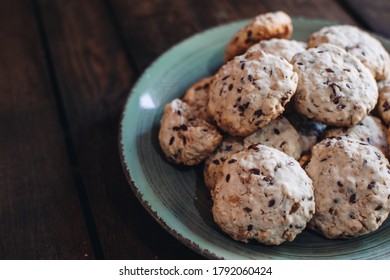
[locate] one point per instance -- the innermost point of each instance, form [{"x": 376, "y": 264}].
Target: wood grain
[
  {"x": 374, "y": 14},
  {"x": 153, "y": 26},
  {"x": 94, "y": 77},
  {"x": 40, "y": 211},
  {"x": 210, "y": 13}
]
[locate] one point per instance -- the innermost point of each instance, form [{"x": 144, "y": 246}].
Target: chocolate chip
[
  {"x": 258, "y": 113},
  {"x": 224, "y": 78},
  {"x": 379, "y": 207},
  {"x": 352, "y": 198},
  {"x": 386, "y": 106},
  {"x": 250, "y": 227},
  {"x": 247, "y": 209},
  {"x": 179, "y": 113},
  {"x": 216, "y": 162},
  {"x": 253, "y": 147},
  {"x": 340, "y": 184},
  {"x": 233, "y": 160},
  {"x": 230, "y": 87},
  {"x": 249, "y": 33},
  {"x": 243, "y": 107},
  {"x": 329, "y": 70},
  {"x": 243, "y": 66},
  {"x": 171, "y": 140},
  {"x": 268, "y": 179},
  {"x": 184, "y": 140},
  {"x": 352, "y": 216},
  {"x": 258, "y": 122},
  {"x": 255, "y": 171},
  {"x": 271, "y": 203},
  {"x": 239, "y": 89},
  {"x": 227, "y": 178},
  {"x": 378, "y": 155},
  {"x": 276, "y": 131},
  {"x": 228, "y": 148},
  {"x": 371, "y": 185},
  {"x": 295, "y": 207},
  {"x": 183, "y": 127},
  {"x": 250, "y": 78}
]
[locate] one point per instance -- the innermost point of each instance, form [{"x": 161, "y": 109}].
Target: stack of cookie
[{"x": 275, "y": 102}]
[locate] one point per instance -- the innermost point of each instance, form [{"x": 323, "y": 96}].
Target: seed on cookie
[
  {"x": 263, "y": 27},
  {"x": 184, "y": 138}
]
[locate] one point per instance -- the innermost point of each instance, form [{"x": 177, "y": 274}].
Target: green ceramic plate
[{"x": 175, "y": 195}]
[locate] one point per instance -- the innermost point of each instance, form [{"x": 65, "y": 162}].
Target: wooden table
[{"x": 66, "y": 68}]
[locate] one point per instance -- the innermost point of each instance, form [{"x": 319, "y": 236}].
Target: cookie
[
  {"x": 263, "y": 27},
  {"x": 310, "y": 131},
  {"x": 250, "y": 91},
  {"x": 370, "y": 130},
  {"x": 351, "y": 182},
  {"x": 264, "y": 195},
  {"x": 213, "y": 164},
  {"x": 334, "y": 87},
  {"x": 358, "y": 43},
  {"x": 197, "y": 97},
  {"x": 280, "y": 47},
  {"x": 384, "y": 99},
  {"x": 278, "y": 134},
  {"x": 184, "y": 138}
]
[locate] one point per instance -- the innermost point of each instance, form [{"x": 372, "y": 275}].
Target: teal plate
[{"x": 175, "y": 195}]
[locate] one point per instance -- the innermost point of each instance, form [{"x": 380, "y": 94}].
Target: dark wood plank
[
  {"x": 374, "y": 14},
  {"x": 94, "y": 77},
  {"x": 210, "y": 13},
  {"x": 153, "y": 26},
  {"x": 40, "y": 211}
]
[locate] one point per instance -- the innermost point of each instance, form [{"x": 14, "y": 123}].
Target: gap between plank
[
  {"x": 71, "y": 152},
  {"x": 130, "y": 58},
  {"x": 355, "y": 16}
]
